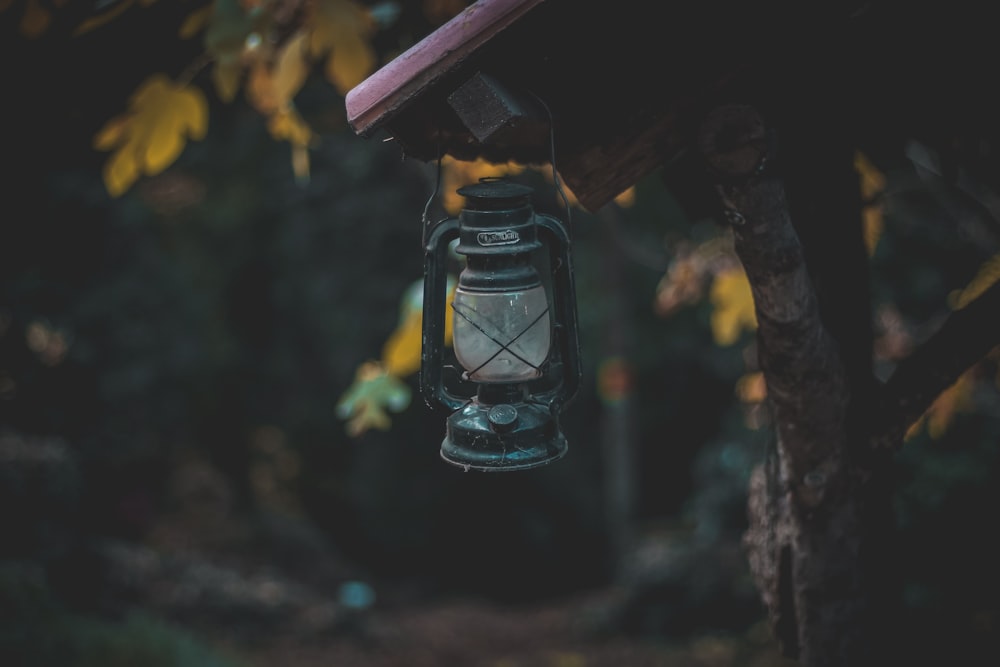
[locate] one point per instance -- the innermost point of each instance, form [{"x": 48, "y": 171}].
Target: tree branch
[{"x": 964, "y": 338}]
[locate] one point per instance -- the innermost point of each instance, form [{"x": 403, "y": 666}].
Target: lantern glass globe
[{"x": 501, "y": 336}]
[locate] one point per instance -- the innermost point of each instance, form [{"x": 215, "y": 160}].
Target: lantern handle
[
  {"x": 434, "y": 307},
  {"x": 564, "y": 302}
]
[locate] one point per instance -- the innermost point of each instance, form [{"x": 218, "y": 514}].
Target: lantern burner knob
[{"x": 502, "y": 418}]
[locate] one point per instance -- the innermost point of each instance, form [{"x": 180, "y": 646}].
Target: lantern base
[{"x": 502, "y": 437}]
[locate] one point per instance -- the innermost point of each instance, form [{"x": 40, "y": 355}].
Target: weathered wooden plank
[
  {"x": 379, "y": 97},
  {"x": 617, "y": 94}
]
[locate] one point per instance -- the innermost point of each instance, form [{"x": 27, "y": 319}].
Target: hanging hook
[
  {"x": 552, "y": 154},
  {"x": 424, "y": 218}
]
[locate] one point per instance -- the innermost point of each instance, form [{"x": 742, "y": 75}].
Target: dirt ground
[
  {"x": 239, "y": 600},
  {"x": 471, "y": 633}
]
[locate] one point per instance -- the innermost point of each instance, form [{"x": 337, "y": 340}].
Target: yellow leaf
[
  {"x": 626, "y": 198},
  {"x": 330, "y": 19},
  {"x": 956, "y": 398},
  {"x": 752, "y": 388},
  {"x": 288, "y": 125},
  {"x": 986, "y": 276},
  {"x": 195, "y": 22},
  {"x": 260, "y": 89},
  {"x": 401, "y": 354},
  {"x": 174, "y": 115},
  {"x": 449, "y": 322},
  {"x": 111, "y": 134},
  {"x": 273, "y": 84},
  {"x": 161, "y": 117},
  {"x": 342, "y": 30},
  {"x": 733, "y": 306},
  {"x": 377, "y": 385},
  {"x": 120, "y": 172},
  {"x": 290, "y": 69},
  {"x": 871, "y": 221},
  {"x": 35, "y": 20},
  {"x": 320, "y": 37},
  {"x": 350, "y": 63},
  {"x": 872, "y": 180},
  {"x": 872, "y": 185}
]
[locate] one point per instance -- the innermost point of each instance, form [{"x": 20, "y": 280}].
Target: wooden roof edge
[{"x": 378, "y": 98}]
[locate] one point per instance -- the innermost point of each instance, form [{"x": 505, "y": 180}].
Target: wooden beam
[{"x": 380, "y": 97}]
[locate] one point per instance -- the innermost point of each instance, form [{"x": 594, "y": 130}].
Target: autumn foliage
[
  {"x": 243, "y": 52},
  {"x": 257, "y": 49}
]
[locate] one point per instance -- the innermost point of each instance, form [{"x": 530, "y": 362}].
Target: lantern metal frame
[{"x": 501, "y": 426}]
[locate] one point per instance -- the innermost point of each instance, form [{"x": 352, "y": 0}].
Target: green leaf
[{"x": 373, "y": 393}]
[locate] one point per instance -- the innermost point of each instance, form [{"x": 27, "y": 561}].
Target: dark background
[{"x": 170, "y": 361}]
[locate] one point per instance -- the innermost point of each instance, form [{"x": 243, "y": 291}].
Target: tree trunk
[
  {"x": 821, "y": 529},
  {"x": 820, "y": 507}
]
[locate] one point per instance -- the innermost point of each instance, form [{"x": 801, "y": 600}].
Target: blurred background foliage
[{"x": 193, "y": 280}]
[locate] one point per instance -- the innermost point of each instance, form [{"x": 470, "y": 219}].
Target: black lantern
[{"x": 514, "y": 335}]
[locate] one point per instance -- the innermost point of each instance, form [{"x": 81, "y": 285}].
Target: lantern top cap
[{"x": 495, "y": 194}]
